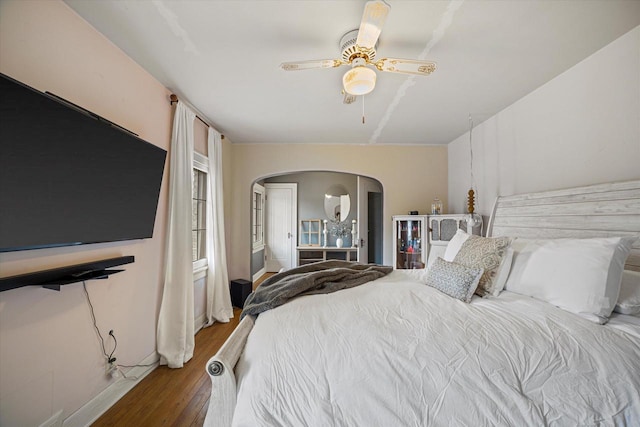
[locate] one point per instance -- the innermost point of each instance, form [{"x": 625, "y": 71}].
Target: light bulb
[
  {"x": 359, "y": 80},
  {"x": 474, "y": 220}
]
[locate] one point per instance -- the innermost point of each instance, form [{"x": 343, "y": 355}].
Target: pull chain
[{"x": 362, "y": 109}]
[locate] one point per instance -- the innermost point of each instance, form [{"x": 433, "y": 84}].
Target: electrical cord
[
  {"x": 109, "y": 357},
  {"x": 473, "y": 179},
  {"x": 139, "y": 365}
]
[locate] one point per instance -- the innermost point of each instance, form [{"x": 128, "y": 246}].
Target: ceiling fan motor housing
[{"x": 349, "y": 49}]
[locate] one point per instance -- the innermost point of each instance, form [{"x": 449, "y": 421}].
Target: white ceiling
[{"x": 223, "y": 57}]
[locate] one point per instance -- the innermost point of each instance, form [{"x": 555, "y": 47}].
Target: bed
[{"x": 395, "y": 351}]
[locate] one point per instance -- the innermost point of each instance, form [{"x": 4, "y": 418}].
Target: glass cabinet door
[
  {"x": 310, "y": 230},
  {"x": 409, "y": 240}
]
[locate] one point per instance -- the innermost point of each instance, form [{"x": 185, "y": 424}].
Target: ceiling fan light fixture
[
  {"x": 359, "y": 80},
  {"x": 358, "y": 49}
]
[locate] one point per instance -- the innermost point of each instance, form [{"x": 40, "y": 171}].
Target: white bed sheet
[{"x": 395, "y": 352}]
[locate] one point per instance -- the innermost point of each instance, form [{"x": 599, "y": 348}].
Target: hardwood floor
[{"x": 174, "y": 397}]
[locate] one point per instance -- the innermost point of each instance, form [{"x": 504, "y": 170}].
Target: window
[
  {"x": 199, "y": 213},
  {"x": 257, "y": 231}
]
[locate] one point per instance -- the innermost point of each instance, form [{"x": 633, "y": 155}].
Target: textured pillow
[
  {"x": 578, "y": 275},
  {"x": 487, "y": 253},
  {"x": 454, "y": 279},
  {"x": 629, "y": 297}
]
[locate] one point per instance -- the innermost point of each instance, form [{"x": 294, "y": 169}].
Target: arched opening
[{"x": 328, "y": 206}]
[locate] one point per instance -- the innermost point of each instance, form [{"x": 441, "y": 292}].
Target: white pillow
[
  {"x": 629, "y": 298},
  {"x": 503, "y": 271},
  {"x": 435, "y": 252},
  {"x": 578, "y": 275},
  {"x": 454, "y": 245}
]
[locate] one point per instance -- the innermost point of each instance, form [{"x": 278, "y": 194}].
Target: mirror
[{"x": 337, "y": 203}]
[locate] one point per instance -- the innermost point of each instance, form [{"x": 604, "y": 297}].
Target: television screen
[{"x": 69, "y": 177}]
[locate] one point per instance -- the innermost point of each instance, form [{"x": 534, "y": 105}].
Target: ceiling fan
[{"x": 358, "y": 49}]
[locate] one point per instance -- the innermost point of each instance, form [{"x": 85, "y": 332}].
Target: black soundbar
[{"x": 54, "y": 278}]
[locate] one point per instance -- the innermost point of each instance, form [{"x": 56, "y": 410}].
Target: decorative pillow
[
  {"x": 578, "y": 275},
  {"x": 487, "y": 253},
  {"x": 629, "y": 298},
  {"x": 454, "y": 279},
  {"x": 454, "y": 245}
]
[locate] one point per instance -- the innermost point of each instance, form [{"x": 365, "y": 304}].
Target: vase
[{"x": 339, "y": 242}]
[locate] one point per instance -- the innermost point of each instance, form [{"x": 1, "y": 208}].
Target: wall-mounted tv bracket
[{"x": 56, "y": 277}]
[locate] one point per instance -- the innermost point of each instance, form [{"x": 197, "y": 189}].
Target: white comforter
[{"x": 395, "y": 352}]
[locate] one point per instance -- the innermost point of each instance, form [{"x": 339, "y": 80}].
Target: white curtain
[
  {"x": 175, "y": 323},
  {"x": 218, "y": 297}
]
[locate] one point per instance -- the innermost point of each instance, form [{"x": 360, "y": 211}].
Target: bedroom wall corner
[
  {"x": 580, "y": 128},
  {"x": 50, "y": 356}
]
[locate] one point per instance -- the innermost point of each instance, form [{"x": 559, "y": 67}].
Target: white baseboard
[
  {"x": 258, "y": 274},
  {"x": 54, "y": 421},
  {"x": 199, "y": 323},
  {"x": 97, "y": 406}
]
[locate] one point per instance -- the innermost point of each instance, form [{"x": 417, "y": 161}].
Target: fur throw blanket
[{"x": 317, "y": 278}]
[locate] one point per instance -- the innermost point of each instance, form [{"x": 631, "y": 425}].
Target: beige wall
[
  {"x": 412, "y": 176},
  {"x": 50, "y": 358}
]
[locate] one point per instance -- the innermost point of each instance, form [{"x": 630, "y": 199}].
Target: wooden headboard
[{"x": 603, "y": 210}]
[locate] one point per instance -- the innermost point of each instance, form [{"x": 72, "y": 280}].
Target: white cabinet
[
  {"x": 410, "y": 241},
  {"x": 419, "y": 239},
  {"x": 442, "y": 228}
]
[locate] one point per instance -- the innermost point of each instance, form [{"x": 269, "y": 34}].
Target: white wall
[
  {"x": 581, "y": 128},
  {"x": 50, "y": 358}
]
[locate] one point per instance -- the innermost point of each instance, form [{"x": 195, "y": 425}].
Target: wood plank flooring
[{"x": 174, "y": 397}]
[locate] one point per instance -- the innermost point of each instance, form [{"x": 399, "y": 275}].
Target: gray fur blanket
[{"x": 317, "y": 278}]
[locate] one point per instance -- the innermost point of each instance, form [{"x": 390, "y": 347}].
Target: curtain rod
[{"x": 174, "y": 99}]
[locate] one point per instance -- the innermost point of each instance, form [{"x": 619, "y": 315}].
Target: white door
[{"x": 281, "y": 235}]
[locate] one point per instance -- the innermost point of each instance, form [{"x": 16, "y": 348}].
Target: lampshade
[{"x": 359, "y": 80}]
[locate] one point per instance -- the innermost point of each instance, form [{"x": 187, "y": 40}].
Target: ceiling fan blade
[
  {"x": 373, "y": 17},
  {"x": 308, "y": 65},
  {"x": 406, "y": 66}
]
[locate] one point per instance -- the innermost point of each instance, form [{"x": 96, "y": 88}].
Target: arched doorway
[{"x": 366, "y": 201}]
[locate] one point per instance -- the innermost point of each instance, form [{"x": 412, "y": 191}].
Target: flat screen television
[{"x": 69, "y": 177}]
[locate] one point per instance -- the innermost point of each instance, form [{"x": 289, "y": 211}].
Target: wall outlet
[
  {"x": 113, "y": 371},
  {"x": 54, "y": 421}
]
